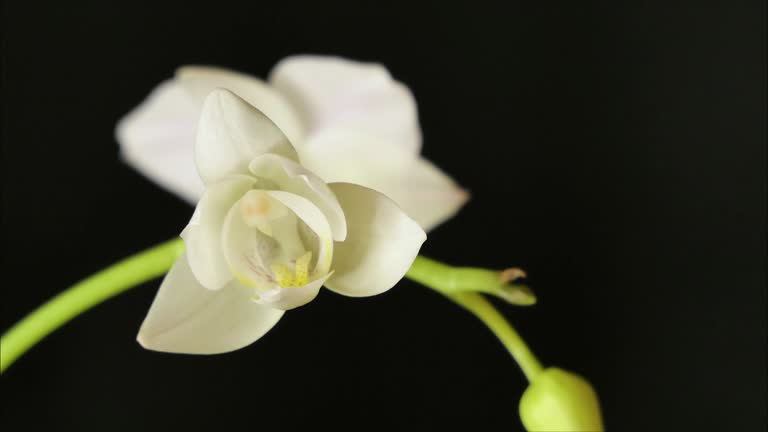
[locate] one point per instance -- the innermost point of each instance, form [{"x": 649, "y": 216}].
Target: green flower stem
[
  {"x": 458, "y": 284},
  {"x": 462, "y": 285},
  {"x": 454, "y": 280},
  {"x": 509, "y": 337},
  {"x": 85, "y": 294}
]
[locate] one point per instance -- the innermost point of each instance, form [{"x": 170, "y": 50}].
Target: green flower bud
[{"x": 557, "y": 400}]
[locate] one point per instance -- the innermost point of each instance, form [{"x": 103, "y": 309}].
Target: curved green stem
[
  {"x": 462, "y": 285},
  {"x": 458, "y": 284},
  {"x": 503, "y": 330},
  {"x": 85, "y": 294},
  {"x": 454, "y": 280}
]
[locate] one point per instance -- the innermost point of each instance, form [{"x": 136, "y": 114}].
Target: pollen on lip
[
  {"x": 294, "y": 273},
  {"x": 283, "y": 275},
  {"x": 302, "y": 269}
]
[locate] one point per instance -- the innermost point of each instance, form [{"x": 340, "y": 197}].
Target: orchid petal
[
  {"x": 291, "y": 177},
  {"x": 187, "y": 318},
  {"x": 231, "y": 133},
  {"x": 157, "y": 139},
  {"x": 381, "y": 244},
  {"x": 202, "y": 236},
  {"x": 421, "y": 189},
  {"x": 332, "y": 92},
  {"x": 200, "y": 81}
]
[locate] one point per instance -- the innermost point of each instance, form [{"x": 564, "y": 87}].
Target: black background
[{"x": 617, "y": 153}]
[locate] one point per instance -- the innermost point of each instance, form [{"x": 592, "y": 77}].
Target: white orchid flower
[
  {"x": 266, "y": 235},
  {"x": 350, "y": 122}
]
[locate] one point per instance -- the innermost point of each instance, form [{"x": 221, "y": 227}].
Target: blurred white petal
[
  {"x": 332, "y": 92},
  {"x": 157, "y": 139},
  {"x": 231, "y": 133},
  {"x": 421, "y": 189},
  {"x": 187, "y": 318},
  {"x": 381, "y": 244}
]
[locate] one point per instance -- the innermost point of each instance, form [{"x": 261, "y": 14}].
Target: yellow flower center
[{"x": 295, "y": 274}]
